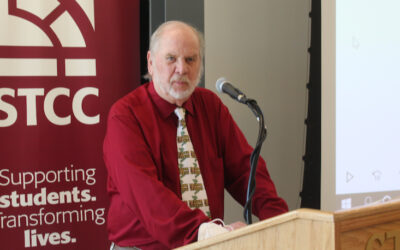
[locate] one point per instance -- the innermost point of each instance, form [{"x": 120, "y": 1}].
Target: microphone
[{"x": 223, "y": 85}]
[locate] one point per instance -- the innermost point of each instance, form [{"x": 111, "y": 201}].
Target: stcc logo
[
  {"x": 380, "y": 238},
  {"x": 46, "y": 53}
]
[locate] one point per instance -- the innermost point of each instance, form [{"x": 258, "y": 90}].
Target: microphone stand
[{"x": 262, "y": 134}]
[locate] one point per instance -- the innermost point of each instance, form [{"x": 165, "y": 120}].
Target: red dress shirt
[{"x": 140, "y": 153}]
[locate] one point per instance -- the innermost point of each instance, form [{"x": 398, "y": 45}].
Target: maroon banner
[{"x": 62, "y": 65}]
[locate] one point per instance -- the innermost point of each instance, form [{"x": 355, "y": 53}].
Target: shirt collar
[{"x": 165, "y": 107}]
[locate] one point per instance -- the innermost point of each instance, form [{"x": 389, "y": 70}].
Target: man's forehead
[
  {"x": 180, "y": 37},
  {"x": 178, "y": 28},
  {"x": 166, "y": 50}
]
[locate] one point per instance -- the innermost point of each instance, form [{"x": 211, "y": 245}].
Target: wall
[
  {"x": 261, "y": 47},
  {"x": 191, "y": 11}
]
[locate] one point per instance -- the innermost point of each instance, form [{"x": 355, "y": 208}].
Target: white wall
[{"x": 261, "y": 47}]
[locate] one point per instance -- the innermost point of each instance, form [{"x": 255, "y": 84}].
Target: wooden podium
[{"x": 371, "y": 227}]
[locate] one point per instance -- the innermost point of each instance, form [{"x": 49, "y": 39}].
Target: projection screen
[{"x": 360, "y": 103}]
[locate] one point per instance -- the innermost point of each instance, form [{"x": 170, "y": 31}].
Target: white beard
[{"x": 169, "y": 89}]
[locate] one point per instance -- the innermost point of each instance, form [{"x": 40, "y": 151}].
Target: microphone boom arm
[
  {"x": 223, "y": 85},
  {"x": 262, "y": 134}
]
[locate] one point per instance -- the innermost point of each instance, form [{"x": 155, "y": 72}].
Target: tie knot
[{"x": 180, "y": 113}]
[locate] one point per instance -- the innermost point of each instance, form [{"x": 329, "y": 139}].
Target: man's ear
[{"x": 149, "y": 63}]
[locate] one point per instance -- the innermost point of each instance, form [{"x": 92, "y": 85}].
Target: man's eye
[
  {"x": 190, "y": 59},
  {"x": 170, "y": 58}
]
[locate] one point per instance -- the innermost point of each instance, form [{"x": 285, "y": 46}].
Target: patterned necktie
[{"x": 192, "y": 187}]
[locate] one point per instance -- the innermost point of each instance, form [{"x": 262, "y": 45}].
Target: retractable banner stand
[{"x": 63, "y": 63}]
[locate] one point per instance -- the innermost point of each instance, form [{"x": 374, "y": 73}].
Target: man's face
[{"x": 175, "y": 64}]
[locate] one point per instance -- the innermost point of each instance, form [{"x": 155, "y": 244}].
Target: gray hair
[{"x": 155, "y": 38}]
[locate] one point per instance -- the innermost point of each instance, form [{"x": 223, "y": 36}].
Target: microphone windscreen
[{"x": 219, "y": 84}]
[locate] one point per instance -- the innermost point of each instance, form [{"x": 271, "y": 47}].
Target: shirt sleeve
[
  {"x": 134, "y": 174},
  {"x": 236, "y": 154}
]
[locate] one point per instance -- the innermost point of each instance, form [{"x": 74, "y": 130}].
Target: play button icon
[{"x": 349, "y": 177}]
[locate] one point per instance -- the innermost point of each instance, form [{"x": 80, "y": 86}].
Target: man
[{"x": 149, "y": 207}]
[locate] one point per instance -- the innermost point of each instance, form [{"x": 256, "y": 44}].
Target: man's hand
[
  {"x": 210, "y": 229},
  {"x": 235, "y": 225}
]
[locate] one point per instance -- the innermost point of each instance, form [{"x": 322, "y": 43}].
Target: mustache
[{"x": 180, "y": 79}]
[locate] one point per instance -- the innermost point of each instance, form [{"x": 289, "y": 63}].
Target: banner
[{"x": 63, "y": 63}]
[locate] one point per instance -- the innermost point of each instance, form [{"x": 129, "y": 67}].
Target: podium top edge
[
  {"x": 299, "y": 214},
  {"x": 373, "y": 209}
]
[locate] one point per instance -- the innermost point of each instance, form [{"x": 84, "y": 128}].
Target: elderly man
[{"x": 171, "y": 148}]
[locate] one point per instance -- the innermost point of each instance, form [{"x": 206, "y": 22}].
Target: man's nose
[{"x": 181, "y": 67}]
